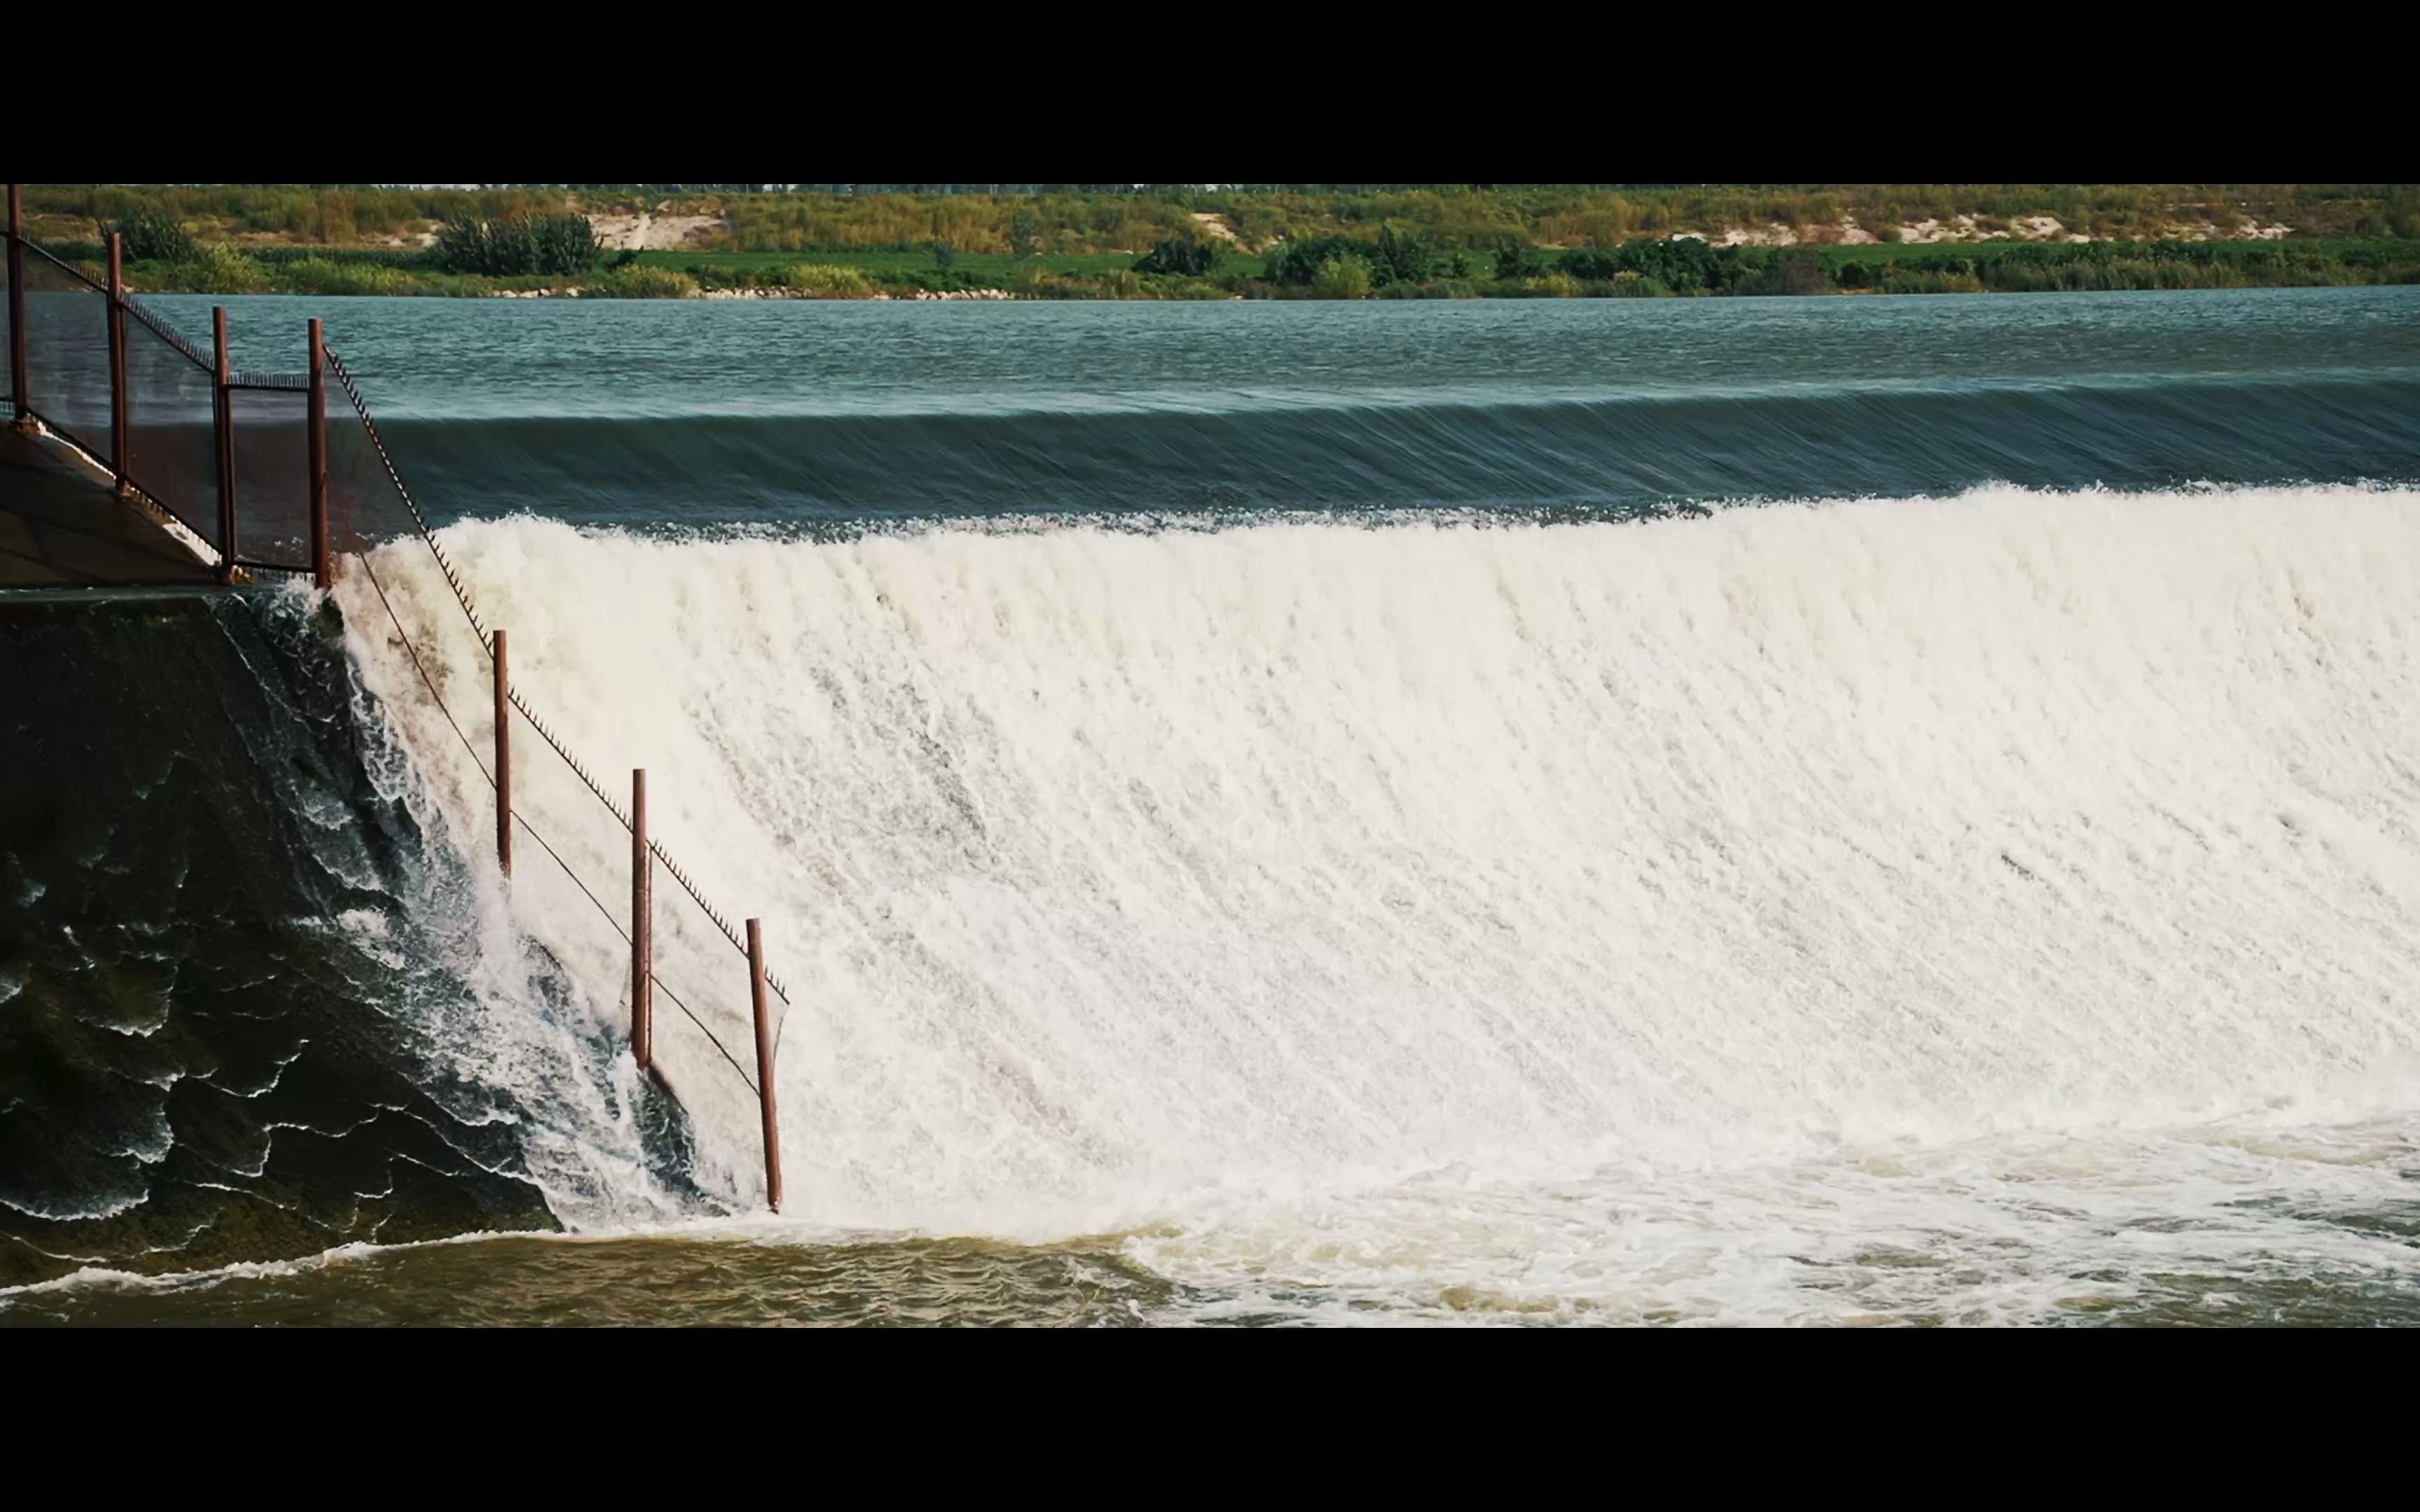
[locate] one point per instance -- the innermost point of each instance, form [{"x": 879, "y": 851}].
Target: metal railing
[
  {"x": 183, "y": 432},
  {"x": 243, "y": 462}
]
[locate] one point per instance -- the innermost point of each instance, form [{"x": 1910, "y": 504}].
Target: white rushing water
[{"x": 1598, "y": 916}]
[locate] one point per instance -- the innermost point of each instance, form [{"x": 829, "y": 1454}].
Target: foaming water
[
  {"x": 1897, "y": 908},
  {"x": 2254, "y": 1224}
]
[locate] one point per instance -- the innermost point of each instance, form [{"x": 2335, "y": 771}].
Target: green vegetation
[
  {"x": 1329, "y": 267},
  {"x": 152, "y": 235},
  {"x": 1388, "y": 259},
  {"x": 1353, "y": 241},
  {"x": 1183, "y": 257},
  {"x": 643, "y": 284},
  {"x": 1347, "y": 276},
  {"x": 1475, "y": 219},
  {"x": 510, "y": 246},
  {"x": 322, "y": 215}
]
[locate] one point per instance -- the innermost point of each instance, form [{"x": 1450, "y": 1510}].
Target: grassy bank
[
  {"x": 1335, "y": 268},
  {"x": 1109, "y": 218},
  {"x": 1349, "y": 241}
]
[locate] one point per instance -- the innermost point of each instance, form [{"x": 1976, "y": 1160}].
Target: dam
[{"x": 1589, "y": 810}]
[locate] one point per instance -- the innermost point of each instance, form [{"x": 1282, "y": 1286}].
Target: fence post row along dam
[{"x": 161, "y": 503}]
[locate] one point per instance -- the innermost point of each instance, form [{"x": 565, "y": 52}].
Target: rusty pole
[
  {"x": 223, "y": 423},
  {"x": 643, "y": 927},
  {"x": 17, "y": 303},
  {"x": 118, "y": 357},
  {"x": 764, "y": 1064},
  {"x": 504, "y": 760},
  {"x": 321, "y": 573}
]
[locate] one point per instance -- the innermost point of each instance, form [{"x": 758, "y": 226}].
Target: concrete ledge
[{"x": 60, "y": 526}]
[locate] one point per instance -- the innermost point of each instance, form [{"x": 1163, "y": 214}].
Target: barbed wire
[
  {"x": 487, "y": 639},
  {"x": 438, "y": 699}
]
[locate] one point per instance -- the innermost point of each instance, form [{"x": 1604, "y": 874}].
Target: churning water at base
[
  {"x": 2001, "y": 906},
  {"x": 1991, "y": 907}
]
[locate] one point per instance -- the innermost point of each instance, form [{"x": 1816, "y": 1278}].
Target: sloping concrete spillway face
[{"x": 218, "y": 1028}]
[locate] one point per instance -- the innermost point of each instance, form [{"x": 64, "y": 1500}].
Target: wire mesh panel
[
  {"x": 272, "y": 478},
  {"x": 66, "y": 353},
  {"x": 8, "y": 333},
  {"x": 171, "y": 429},
  {"x": 364, "y": 507}
]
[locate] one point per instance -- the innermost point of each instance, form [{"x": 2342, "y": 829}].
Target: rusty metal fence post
[
  {"x": 504, "y": 758},
  {"x": 643, "y": 927},
  {"x": 764, "y": 1064},
  {"x": 117, "y": 357},
  {"x": 17, "y": 303},
  {"x": 321, "y": 573}
]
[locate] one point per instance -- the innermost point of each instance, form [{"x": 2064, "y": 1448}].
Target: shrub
[
  {"x": 1930, "y": 282},
  {"x": 1400, "y": 258},
  {"x": 825, "y": 281},
  {"x": 564, "y": 244},
  {"x": 720, "y": 275},
  {"x": 1799, "y": 270},
  {"x": 643, "y": 283},
  {"x": 384, "y": 256},
  {"x": 318, "y": 275},
  {"x": 1593, "y": 264},
  {"x": 939, "y": 279},
  {"x": 1036, "y": 283},
  {"x": 1025, "y": 234},
  {"x": 516, "y": 246},
  {"x": 221, "y": 270},
  {"x": 1557, "y": 285},
  {"x": 1343, "y": 278},
  {"x": 1518, "y": 261},
  {"x": 1185, "y": 258},
  {"x": 1298, "y": 263},
  {"x": 1389, "y": 258},
  {"x": 944, "y": 255},
  {"x": 1686, "y": 264},
  {"x": 152, "y": 235}
]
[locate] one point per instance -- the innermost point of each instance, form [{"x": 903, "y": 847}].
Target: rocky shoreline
[{"x": 759, "y": 294}]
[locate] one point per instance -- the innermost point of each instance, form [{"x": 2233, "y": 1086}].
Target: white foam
[{"x": 1114, "y": 875}]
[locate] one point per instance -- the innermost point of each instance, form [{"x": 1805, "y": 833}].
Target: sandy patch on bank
[
  {"x": 1774, "y": 235},
  {"x": 1215, "y": 225},
  {"x": 645, "y": 232}
]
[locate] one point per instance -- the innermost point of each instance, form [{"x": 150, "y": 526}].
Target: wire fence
[
  {"x": 478, "y": 625},
  {"x": 365, "y": 487},
  {"x": 172, "y": 426},
  {"x": 66, "y": 343},
  {"x": 121, "y": 382},
  {"x": 235, "y": 457}
]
